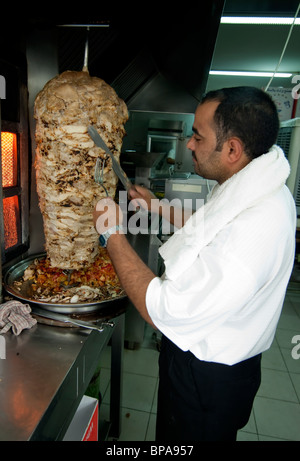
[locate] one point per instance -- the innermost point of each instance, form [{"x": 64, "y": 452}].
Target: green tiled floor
[{"x": 276, "y": 410}]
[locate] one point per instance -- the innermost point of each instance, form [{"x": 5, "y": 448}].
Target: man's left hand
[{"x": 107, "y": 214}]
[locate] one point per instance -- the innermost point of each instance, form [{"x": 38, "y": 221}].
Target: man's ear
[{"x": 235, "y": 150}]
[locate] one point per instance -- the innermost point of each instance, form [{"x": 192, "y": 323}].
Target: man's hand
[
  {"x": 144, "y": 198},
  {"x": 147, "y": 200},
  {"x": 107, "y": 214}
]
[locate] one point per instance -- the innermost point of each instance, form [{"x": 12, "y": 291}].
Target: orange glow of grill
[
  {"x": 9, "y": 159},
  {"x": 11, "y": 217}
]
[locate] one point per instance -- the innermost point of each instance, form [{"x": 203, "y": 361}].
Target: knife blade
[{"x": 116, "y": 167}]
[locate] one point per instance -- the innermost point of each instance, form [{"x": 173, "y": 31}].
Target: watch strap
[{"x": 104, "y": 237}]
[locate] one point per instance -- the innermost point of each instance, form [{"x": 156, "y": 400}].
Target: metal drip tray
[{"x": 15, "y": 273}]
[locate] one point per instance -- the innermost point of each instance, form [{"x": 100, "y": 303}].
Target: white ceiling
[{"x": 256, "y": 47}]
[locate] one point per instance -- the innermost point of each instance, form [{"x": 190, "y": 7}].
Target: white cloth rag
[
  {"x": 262, "y": 177},
  {"x": 15, "y": 315}
]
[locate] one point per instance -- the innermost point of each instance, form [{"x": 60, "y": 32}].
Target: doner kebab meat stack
[{"x": 65, "y": 162}]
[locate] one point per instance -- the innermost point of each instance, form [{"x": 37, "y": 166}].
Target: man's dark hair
[{"x": 247, "y": 113}]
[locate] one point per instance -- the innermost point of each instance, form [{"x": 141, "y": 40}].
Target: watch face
[{"x": 102, "y": 241}]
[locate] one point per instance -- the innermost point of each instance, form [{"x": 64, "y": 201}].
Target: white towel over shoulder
[{"x": 263, "y": 176}]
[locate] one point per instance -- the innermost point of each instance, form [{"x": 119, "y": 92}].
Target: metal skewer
[{"x": 86, "y": 52}]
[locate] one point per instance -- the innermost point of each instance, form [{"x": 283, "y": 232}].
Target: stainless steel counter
[{"x": 45, "y": 374}]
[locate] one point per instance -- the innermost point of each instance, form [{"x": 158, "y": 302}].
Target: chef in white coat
[{"x": 226, "y": 269}]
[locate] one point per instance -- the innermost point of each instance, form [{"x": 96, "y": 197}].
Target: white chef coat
[{"x": 225, "y": 306}]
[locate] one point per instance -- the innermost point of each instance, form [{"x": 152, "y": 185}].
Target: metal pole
[{"x": 86, "y": 52}]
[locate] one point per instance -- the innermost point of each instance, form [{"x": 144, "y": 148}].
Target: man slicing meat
[{"x": 220, "y": 298}]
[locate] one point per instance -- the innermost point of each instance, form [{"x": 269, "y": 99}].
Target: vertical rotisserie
[{"x": 65, "y": 162}]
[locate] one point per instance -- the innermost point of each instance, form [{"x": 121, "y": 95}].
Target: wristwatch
[{"x": 104, "y": 237}]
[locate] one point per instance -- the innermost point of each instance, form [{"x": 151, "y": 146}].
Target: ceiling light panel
[
  {"x": 258, "y": 20},
  {"x": 250, "y": 74}
]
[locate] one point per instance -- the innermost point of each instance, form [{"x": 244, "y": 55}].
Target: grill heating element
[
  {"x": 9, "y": 179},
  {"x": 10, "y": 216},
  {"x": 9, "y": 159}
]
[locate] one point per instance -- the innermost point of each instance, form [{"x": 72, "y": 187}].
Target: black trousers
[{"x": 203, "y": 401}]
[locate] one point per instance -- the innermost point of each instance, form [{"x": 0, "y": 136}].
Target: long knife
[
  {"x": 64, "y": 318},
  {"x": 116, "y": 167}
]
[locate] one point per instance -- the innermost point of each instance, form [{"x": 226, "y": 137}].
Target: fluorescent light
[
  {"x": 84, "y": 25},
  {"x": 258, "y": 20},
  {"x": 249, "y": 74}
]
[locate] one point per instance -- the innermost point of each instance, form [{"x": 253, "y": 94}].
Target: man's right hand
[
  {"x": 147, "y": 200},
  {"x": 144, "y": 198}
]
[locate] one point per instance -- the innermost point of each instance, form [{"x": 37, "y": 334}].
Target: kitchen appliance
[
  {"x": 15, "y": 205},
  {"x": 191, "y": 192},
  {"x": 163, "y": 136},
  {"x": 14, "y": 210},
  {"x": 183, "y": 159},
  {"x": 35, "y": 49},
  {"x": 186, "y": 194},
  {"x": 148, "y": 167}
]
